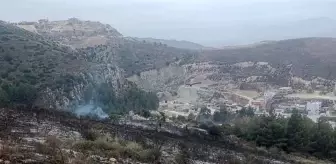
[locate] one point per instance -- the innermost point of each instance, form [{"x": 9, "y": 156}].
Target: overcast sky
[{"x": 209, "y": 22}]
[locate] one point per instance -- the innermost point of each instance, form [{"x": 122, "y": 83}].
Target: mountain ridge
[{"x": 184, "y": 44}]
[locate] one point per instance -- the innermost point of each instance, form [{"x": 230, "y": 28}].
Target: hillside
[
  {"x": 36, "y": 136},
  {"x": 32, "y": 63},
  {"x": 37, "y": 71},
  {"x": 309, "y": 56},
  {"x": 135, "y": 57},
  {"x": 173, "y": 43}
]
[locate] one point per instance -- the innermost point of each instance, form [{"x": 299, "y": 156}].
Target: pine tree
[{"x": 295, "y": 132}]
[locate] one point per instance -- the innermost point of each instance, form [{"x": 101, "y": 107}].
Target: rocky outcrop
[
  {"x": 165, "y": 79},
  {"x": 102, "y": 69},
  {"x": 73, "y": 31},
  {"x": 171, "y": 77},
  {"x": 76, "y": 94}
]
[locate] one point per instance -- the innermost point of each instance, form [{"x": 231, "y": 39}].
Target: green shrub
[
  {"x": 113, "y": 147},
  {"x": 84, "y": 145},
  {"x": 149, "y": 155},
  {"x": 91, "y": 134},
  {"x": 133, "y": 146}
]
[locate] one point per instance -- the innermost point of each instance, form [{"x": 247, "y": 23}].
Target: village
[{"x": 279, "y": 101}]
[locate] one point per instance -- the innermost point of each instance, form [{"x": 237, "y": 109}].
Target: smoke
[{"x": 91, "y": 110}]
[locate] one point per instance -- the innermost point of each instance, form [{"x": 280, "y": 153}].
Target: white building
[
  {"x": 268, "y": 96},
  {"x": 313, "y": 108}
]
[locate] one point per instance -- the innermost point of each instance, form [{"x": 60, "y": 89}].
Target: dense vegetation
[
  {"x": 130, "y": 99},
  {"x": 297, "y": 134},
  {"x": 30, "y": 63}
]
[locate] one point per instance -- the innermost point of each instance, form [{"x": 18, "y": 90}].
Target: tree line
[
  {"x": 130, "y": 99},
  {"x": 296, "y": 134}
]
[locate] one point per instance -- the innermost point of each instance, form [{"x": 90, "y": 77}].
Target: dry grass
[{"x": 106, "y": 146}]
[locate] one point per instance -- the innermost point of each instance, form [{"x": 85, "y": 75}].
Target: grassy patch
[{"x": 115, "y": 147}]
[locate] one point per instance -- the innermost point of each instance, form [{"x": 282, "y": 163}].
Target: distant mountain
[
  {"x": 174, "y": 43},
  {"x": 254, "y": 32},
  {"x": 309, "y": 57}
]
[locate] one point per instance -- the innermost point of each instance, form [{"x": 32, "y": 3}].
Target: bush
[
  {"x": 214, "y": 131},
  {"x": 18, "y": 94},
  {"x": 107, "y": 146},
  {"x": 91, "y": 134},
  {"x": 144, "y": 113},
  {"x": 51, "y": 148},
  {"x": 8, "y": 58},
  {"x": 133, "y": 146},
  {"x": 181, "y": 118},
  {"x": 84, "y": 145},
  {"x": 149, "y": 155}
]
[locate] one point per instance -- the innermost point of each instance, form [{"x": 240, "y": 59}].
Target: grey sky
[{"x": 210, "y": 22}]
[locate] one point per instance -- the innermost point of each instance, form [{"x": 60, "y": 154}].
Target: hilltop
[{"x": 73, "y": 31}]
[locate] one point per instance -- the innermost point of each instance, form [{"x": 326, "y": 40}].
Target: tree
[
  {"x": 246, "y": 112},
  {"x": 191, "y": 117},
  {"x": 145, "y": 113},
  {"x": 160, "y": 119},
  {"x": 322, "y": 141},
  {"x": 296, "y": 132},
  {"x": 205, "y": 111},
  {"x": 271, "y": 132},
  {"x": 310, "y": 89},
  {"x": 132, "y": 98},
  {"x": 204, "y": 114},
  {"x": 221, "y": 116},
  {"x": 163, "y": 117},
  {"x": 217, "y": 116},
  {"x": 20, "y": 94},
  {"x": 181, "y": 118}
]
